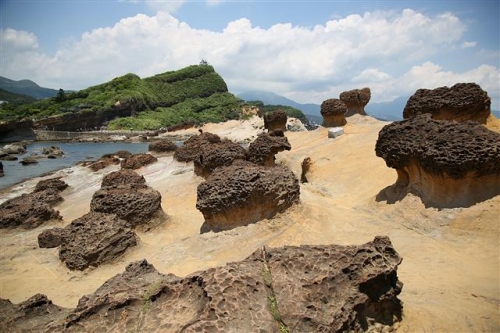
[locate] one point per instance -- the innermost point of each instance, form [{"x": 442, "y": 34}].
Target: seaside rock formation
[
  {"x": 275, "y": 120},
  {"x": 93, "y": 239},
  {"x": 263, "y": 149},
  {"x": 329, "y": 288},
  {"x": 333, "y": 111},
  {"x": 104, "y": 162},
  {"x": 162, "y": 146},
  {"x": 217, "y": 155},
  {"x": 137, "y": 161},
  {"x": 53, "y": 183},
  {"x": 461, "y": 102},
  {"x": 192, "y": 146},
  {"x": 448, "y": 164},
  {"x": 137, "y": 204},
  {"x": 52, "y": 151},
  {"x": 50, "y": 238},
  {"x": 122, "y": 177},
  {"x": 6, "y": 157},
  {"x": 14, "y": 148},
  {"x": 28, "y": 211},
  {"x": 306, "y": 166},
  {"x": 29, "y": 160},
  {"x": 356, "y": 100},
  {"x": 295, "y": 125},
  {"x": 245, "y": 193}
]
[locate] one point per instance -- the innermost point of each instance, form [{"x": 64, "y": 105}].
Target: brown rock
[
  {"x": 52, "y": 151},
  {"x": 333, "y": 111},
  {"x": 275, "y": 120},
  {"x": 93, "y": 239},
  {"x": 306, "y": 165},
  {"x": 29, "y": 210},
  {"x": 245, "y": 193},
  {"x": 448, "y": 164},
  {"x": 122, "y": 177},
  {"x": 50, "y": 238},
  {"x": 356, "y": 100},
  {"x": 137, "y": 161},
  {"x": 104, "y": 162},
  {"x": 54, "y": 183},
  {"x": 192, "y": 146},
  {"x": 14, "y": 148},
  {"x": 29, "y": 160},
  {"x": 162, "y": 146},
  {"x": 263, "y": 149},
  {"x": 461, "y": 102},
  {"x": 216, "y": 155},
  {"x": 6, "y": 157}
]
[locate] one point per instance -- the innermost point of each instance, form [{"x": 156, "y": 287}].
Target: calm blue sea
[{"x": 74, "y": 153}]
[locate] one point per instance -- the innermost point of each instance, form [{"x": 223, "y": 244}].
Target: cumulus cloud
[
  {"x": 308, "y": 64},
  {"x": 466, "y": 45}
]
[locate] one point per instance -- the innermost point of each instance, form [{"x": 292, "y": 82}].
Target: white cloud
[
  {"x": 309, "y": 64},
  {"x": 466, "y": 45}
]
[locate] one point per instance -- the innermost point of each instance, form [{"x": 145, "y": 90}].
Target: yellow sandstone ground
[{"x": 450, "y": 267}]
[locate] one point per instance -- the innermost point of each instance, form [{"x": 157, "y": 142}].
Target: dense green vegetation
[
  {"x": 15, "y": 99},
  {"x": 195, "y": 93},
  {"x": 290, "y": 111}
]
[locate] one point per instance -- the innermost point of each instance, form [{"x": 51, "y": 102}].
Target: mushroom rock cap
[
  {"x": 275, "y": 120},
  {"x": 355, "y": 100},
  {"x": 333, "y": 111}
]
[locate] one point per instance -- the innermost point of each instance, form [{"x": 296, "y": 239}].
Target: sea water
[{"x": 73, "y": 153}]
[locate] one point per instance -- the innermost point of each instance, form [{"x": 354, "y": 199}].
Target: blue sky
[{"x": 305, "y": 50}]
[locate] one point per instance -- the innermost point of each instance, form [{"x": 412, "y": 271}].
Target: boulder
[
  {"x": 191, "y": 148},
  {"x": 333, "y": 111},
  {"x": 104, "y": 162},
  {"x": 6, "y": 157},
  {"x": 50, "y": 238},
  {"x": 137, "y": 161},
  {"x": 28, "y": 211},
  {"x": 329, "y": 288},
  {"x": 216, "y": 155},
  {"x": 447, "y": 164},
  {"x": 162, "y": 146},
  {"x": 335, "y": 132},
  {"x": 275, "y": 120},
  {"x": 122, "y": 177},
  {"x": 461, "y": 102},
  {"x": 29, "y": 160},
  {"x": 52, "y": 151},
  {"x": 245, "y": 193},
  {"x": 93, "y": 239},
  {"x": 295, "y": 125},
  {"x": 14, "y": 148},
  {"x": 54, "y": 183},
  {"x": 263, "y": 149},
  {"x": 356, "y": 100}
]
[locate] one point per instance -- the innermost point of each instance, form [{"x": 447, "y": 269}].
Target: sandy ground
[{"x": 450, "y": 267}]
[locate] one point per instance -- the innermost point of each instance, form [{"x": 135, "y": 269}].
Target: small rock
[{"x": 335, "y": 132}]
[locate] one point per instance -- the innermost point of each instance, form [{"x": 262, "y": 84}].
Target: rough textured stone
[
  {"x": 461, "y": 102},
  {"x": 306, "y": 166},
  {"x": 297, "y": 289},
  {"x": 263, "y": 149},
  {"x": 245, "y": 193},
  {"x": 356, "y": 100},
  {"x": 29, "y": 160},
  {"x": 448, "y": 164},
  {"x": 333, "y": 111},
  {"x": 163, "y": 146},
  {"x": 216, "y": 155},
  {"x": 104, "y": 162},
  {"x": 137, "y": 161},
  {"x": 275, "y": 120},
  {"x": 52, "y": 151},
  {"x": 122, "y": 177},
  {"x": 6, "y": 157},
  {"x": 137, "y": 204},
  {"x": 192, "y": 146},
  {"x": 54, "y": 183},
  {"x": 50, "y": 238},
  {"x": 93, "y": 239},
  {"x": 14, "y": 148}
]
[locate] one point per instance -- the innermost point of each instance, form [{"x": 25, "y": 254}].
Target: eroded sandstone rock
[
  {"x": 356, "y": 100},
  {"x": 245, "y": 193},
  {"x": 263, "y": 149},
  {"x": 137, "y": 161},
  {"x": 448, "y": 164},
  {"x": 55, "y": 183},
  {"x": 192, "y": 146},
  {"x": 275, "y": 120},
  {"x": 50, "y": 238},
  {"x": 213, "y": 155},
  {"x": 461, "y": 102},
  {"x": 122, "y": 177},
  {"x": 333, "y": 111},
  {"x": 162, "y": 146},
  {"x": 306, "y": 166}
]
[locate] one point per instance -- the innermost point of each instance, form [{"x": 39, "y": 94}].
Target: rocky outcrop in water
[
  {"x": 162, "y": 146},
  {"x": 215, "y": 155},
  {"x": 137, "y": 161},
  {"x": 461, "y": 102},
  {"x": 333, "y": 111},
  {"x": 14, "y": 148},
  {"x": 328, "y": 288},
  {"x": 263, "y": 149},
  {"x": 448, "y": 164},
  {"x": 275, "y": 120},
  {"x": 192, "y": 146},
  {"x": 52, "y": 152},
  {"x": 356, "y": 100},
  {"x": 245, "y": 193}
]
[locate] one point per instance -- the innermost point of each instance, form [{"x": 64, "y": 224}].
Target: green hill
[
  {"x": 192, "y": 94},
  {"x": 13, "y": 98},
  {"x": 26, "y": 87}
]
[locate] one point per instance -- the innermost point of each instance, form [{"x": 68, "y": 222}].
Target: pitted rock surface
[
  {"x": 461, "y": 102},
  {"x": 356, "y": 100},
  {"x": 93, "y": 239},
  {"x": 50, "y": 238},
  {"x": 122, "y": 177},
  {"x": 137, "y": 161},
  {"x": 245, "y": 193},
  {"x": 192, "y": 146},
  {"x": 333, "y": 111},
  {"x": 162, "y": 146},
  {"x": 135, "y": 203},
  {"x": 52, "y": 151},
  {"x": 104, "y": 162},
  {"x": 275, "y": 120},
  {"x": 263, "y": 149},
  {"x": 461, "y": 157},
  {"x": 216, "y": 155},
  {"x": 328, "y": 288},
  {"x": 55, "y": 183}
]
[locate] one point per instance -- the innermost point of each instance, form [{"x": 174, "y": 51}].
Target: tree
[
  {"x": 61, "y": 96},
  {"x": 203, "y": 62}
]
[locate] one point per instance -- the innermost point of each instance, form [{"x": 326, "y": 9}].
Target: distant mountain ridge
[{"x": 26, "y": 87}]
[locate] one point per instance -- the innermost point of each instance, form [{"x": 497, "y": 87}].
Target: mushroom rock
[
  {"x": 245, "y": 193},
  {"x": 138, "y": 204},
  {"x": 448, "y": 164},
  {"x": 329, "y": 288},
  {"x": 356, "y": 100},
  {"x": 263, "y": 149},
  {"x": 122, "y": 177},
  {"x": 137, "y": 161},
  {"x": 216, "y": 155},
  {"x": 93, "y": 239},
  {"x": 275, "y": 120},
  {"x": 461, "y": 102},
  {"x": 162, "y": 146},
  {"x": 191, "y": 148},
  {"x": 333, "y": 111}
]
